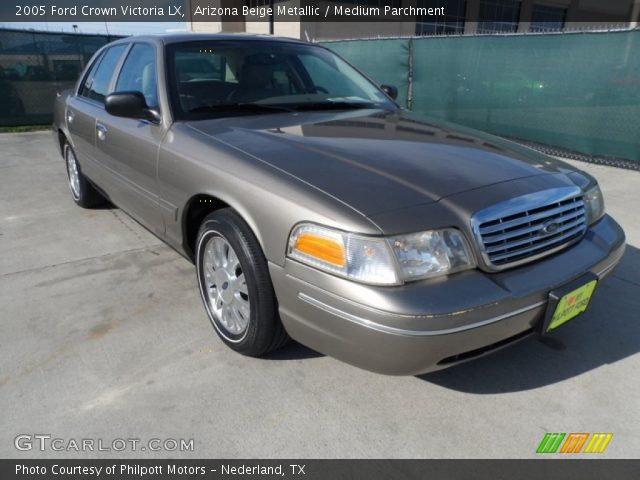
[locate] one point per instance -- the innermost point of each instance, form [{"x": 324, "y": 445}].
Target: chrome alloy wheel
[
  {"x": 74, "y": 174},
  {"x": 226, "y": 286}
]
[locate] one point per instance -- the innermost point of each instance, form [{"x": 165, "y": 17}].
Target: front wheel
[{"x": 235, "y": 285}]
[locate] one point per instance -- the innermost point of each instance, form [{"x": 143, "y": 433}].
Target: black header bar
[{"x": 582, "y": 11}]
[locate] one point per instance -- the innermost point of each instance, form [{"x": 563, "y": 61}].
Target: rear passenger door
[
  {"x": 129, "y": 147},
  {"x": 84, "y": 108}
]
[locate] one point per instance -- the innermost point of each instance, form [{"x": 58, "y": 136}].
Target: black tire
[
  {"x": 86, "y": 195},
  {"x": 264, "y": 332}
]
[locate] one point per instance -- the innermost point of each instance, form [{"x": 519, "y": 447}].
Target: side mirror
[
  {"x": 130, "y": 105},
  {"x": 390, "y": 90}
]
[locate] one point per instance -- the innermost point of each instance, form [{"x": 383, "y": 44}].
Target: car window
[
  {"x": 229, "y": 76},
  {"x": 86, "y": 81},
  {"x": 99, "y": 82},
  {"x": 212, "y": 76},
  {"x": 200, "y": 65},
  {"x": 209, "y": 78},
  {"x": 326, "y": 75},
  {"x": 138, "y": 73},
  {"x": 204, "y": 75}
]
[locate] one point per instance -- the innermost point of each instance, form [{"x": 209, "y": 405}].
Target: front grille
[{"x": 529, "y": 227}]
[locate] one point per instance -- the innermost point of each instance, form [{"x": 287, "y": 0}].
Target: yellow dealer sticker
[{"x": 572, "y": 304}]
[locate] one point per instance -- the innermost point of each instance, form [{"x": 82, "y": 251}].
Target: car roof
[{"x": 171, "y": 38}]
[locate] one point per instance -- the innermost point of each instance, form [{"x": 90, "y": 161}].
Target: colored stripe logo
[
  {"x": 598, "y": 442},
  {"x": 574, "y": 442}
]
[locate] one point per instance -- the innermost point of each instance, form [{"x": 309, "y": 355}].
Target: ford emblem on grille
[
  {"x": 549, "y": 228},
  {"x": 531, "y": 226}
]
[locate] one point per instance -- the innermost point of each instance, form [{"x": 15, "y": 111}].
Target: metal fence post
[{"x": 410, "y": 77}]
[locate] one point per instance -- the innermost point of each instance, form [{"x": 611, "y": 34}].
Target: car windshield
[{"x": 224, "y": 78}]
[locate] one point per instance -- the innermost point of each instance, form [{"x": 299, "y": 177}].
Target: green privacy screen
[
  {"x": 385, "y": 61},
  {"x": 36, "y": 65},
  {"x": 575, "y": 91}
]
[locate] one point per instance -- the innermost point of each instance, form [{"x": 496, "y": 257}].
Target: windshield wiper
[
  {"x": 251, "y": 107},
  {"x": 289, "y": 107},
  {"x": 342, "y": 105}
]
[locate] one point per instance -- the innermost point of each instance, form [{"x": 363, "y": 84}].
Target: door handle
[
  {"x": 71, "y": 115},
  {"x": 102, "y": 131}
]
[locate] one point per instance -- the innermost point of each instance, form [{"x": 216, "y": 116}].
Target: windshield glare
[{"x": 209, "y": 76}]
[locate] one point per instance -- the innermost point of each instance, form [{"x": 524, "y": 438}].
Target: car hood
[{"x": 378, "y": 161}]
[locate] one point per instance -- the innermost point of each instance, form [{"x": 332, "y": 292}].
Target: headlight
[
  {"x": 594, "y": 204},
  {"x": 380, "y": 261},
  {"x": 431, "y": 253},
  {"x": 365, "y": 259}
]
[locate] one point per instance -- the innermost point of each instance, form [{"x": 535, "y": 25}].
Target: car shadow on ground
[
  {"x": 293, "y": 351},
  {"x": 106, "y": 205},
  {"x": 608, "y": 332}
]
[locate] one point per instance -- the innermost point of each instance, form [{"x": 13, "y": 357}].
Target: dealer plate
[{"x": 572, "y": 304}]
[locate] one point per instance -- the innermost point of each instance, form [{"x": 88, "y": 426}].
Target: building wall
[{"x": 334, "y": 30}]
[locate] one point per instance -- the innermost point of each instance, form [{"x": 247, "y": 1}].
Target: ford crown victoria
[{"x": 315, "y": 208}]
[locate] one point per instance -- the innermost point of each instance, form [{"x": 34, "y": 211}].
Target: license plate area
[{"x": 568, "y": 302}]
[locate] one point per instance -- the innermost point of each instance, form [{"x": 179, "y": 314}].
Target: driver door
[{"x": 129, "y": 147}]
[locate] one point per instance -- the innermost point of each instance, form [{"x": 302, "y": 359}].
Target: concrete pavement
[{"x": 103, "y": 336}]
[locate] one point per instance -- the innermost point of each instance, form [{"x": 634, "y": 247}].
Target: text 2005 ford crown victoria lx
[{"x": 316, "y": 209}]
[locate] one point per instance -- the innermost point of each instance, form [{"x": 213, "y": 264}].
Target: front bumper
[{"x": 432, "y": 324}]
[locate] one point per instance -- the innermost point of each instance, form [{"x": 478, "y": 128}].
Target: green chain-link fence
[
  {"x": 36, "y": 65},
  {"x": 575, "y": 91},
  {"x": 578, "y": 91}
]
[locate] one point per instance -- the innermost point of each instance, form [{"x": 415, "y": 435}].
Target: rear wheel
[
  {"x": 235, "y": 285},
  {"x": 82, "y": 192}
]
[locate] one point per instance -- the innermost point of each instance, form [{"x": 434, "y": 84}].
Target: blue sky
[{"x": 117, "y": 28}]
